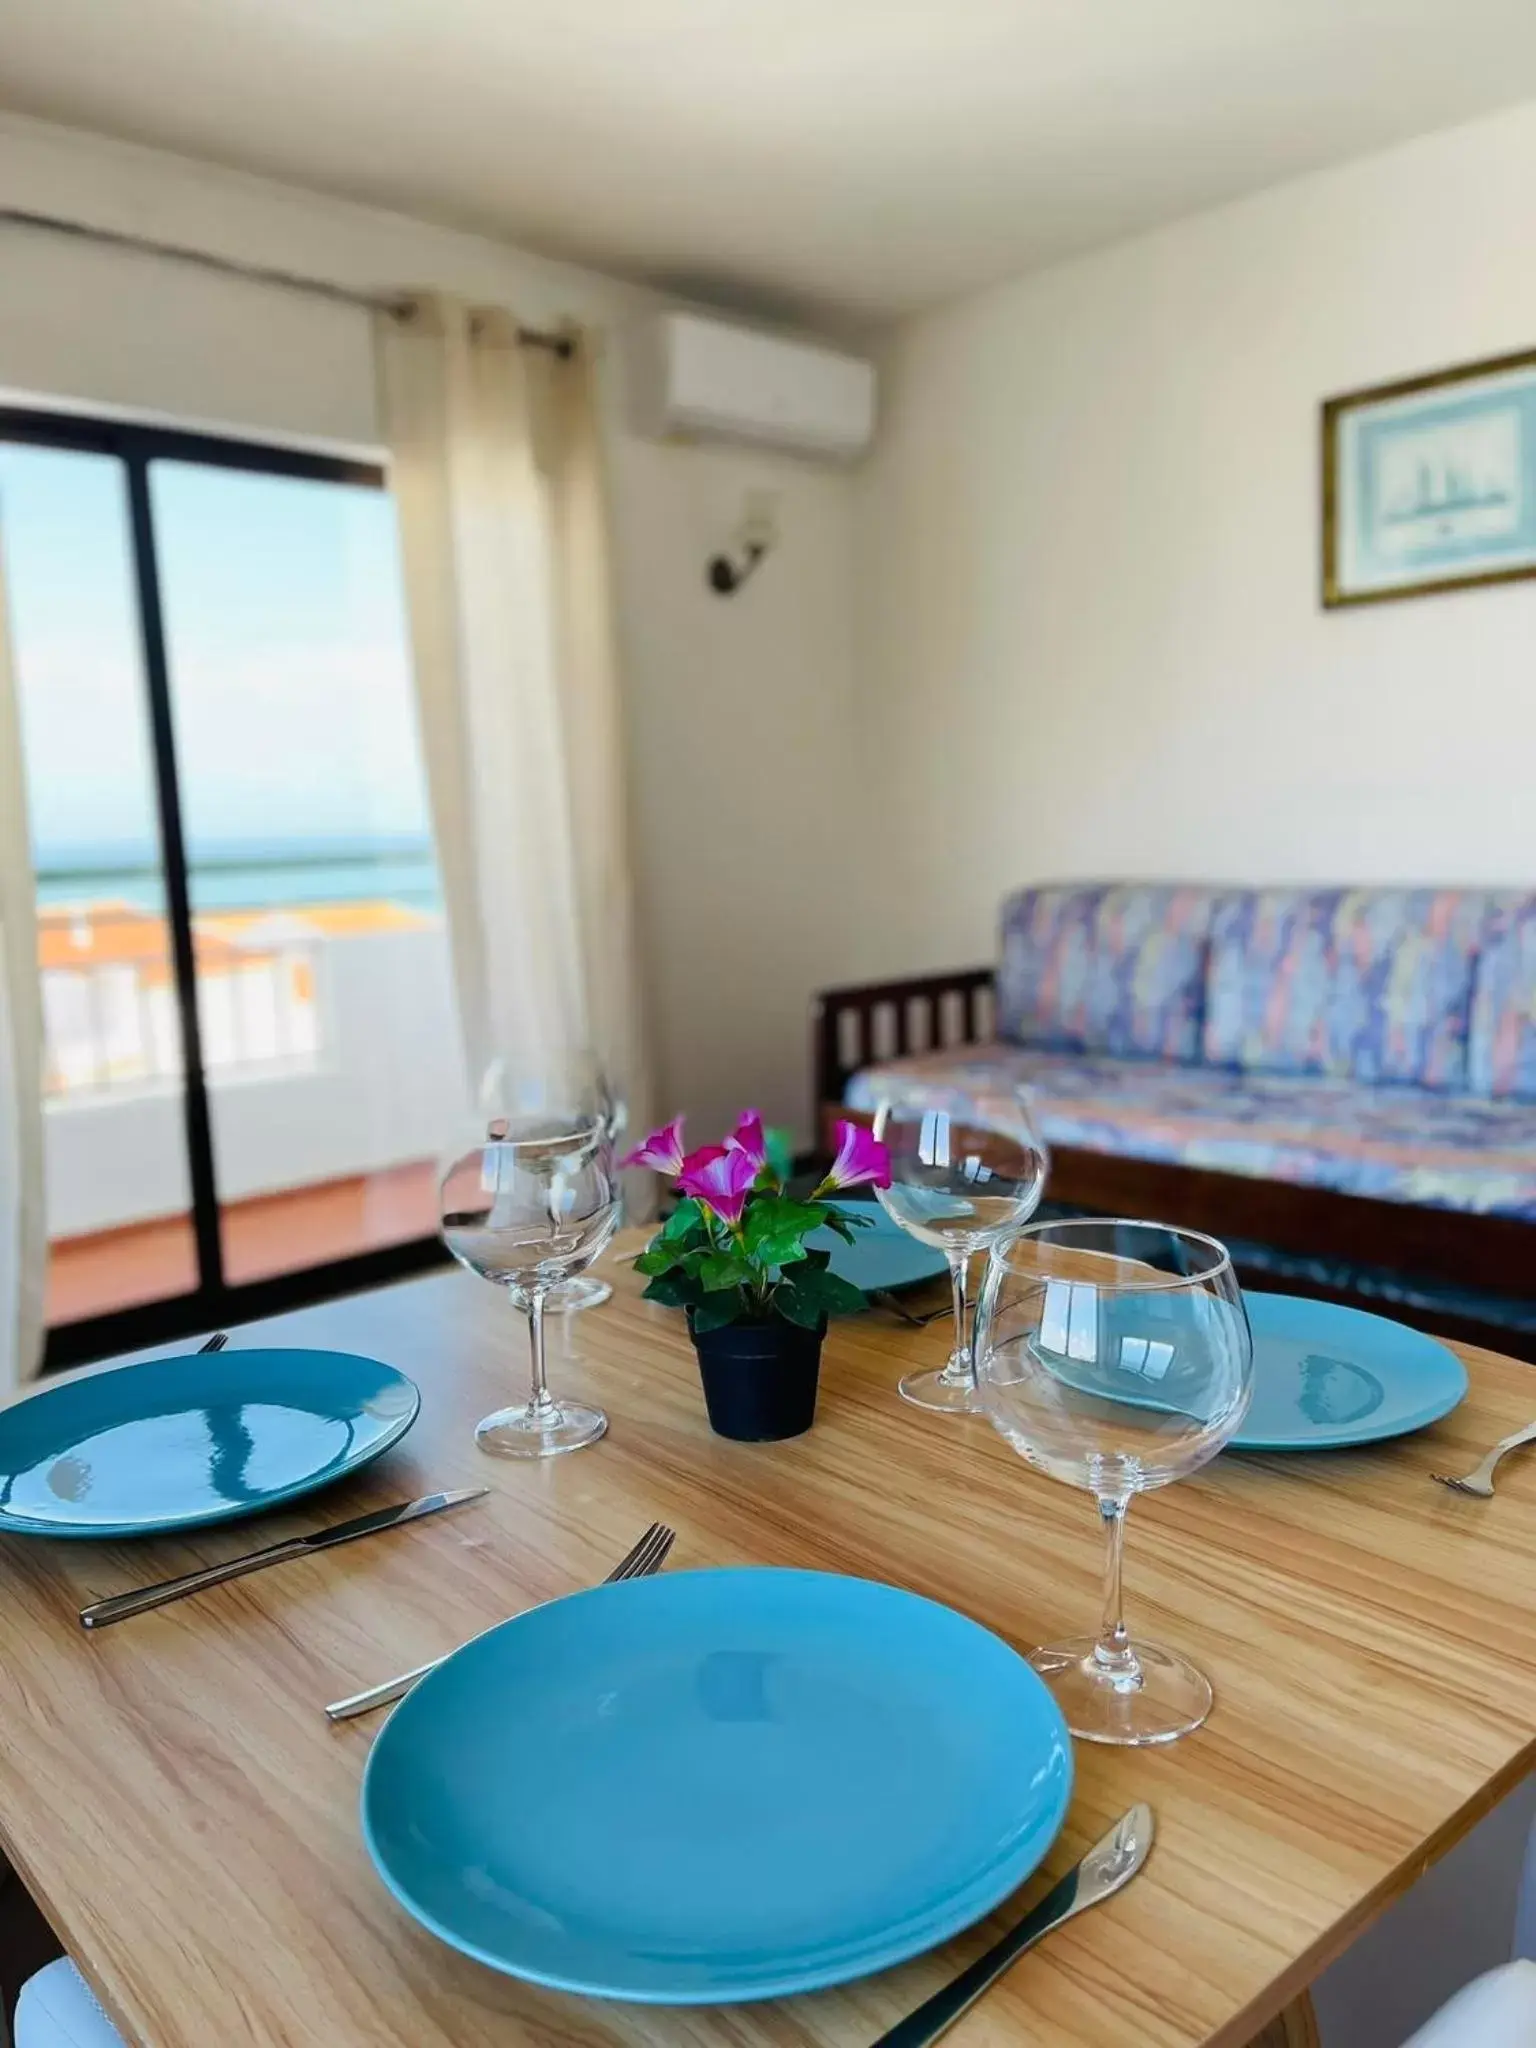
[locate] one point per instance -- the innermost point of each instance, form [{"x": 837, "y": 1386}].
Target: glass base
[
  {"x": 946, "y": 1390},
  {"x": 540, "y": 1429},
  {"x": 1160, "y": 1699},
  {"x": 578, "y": 1292}
]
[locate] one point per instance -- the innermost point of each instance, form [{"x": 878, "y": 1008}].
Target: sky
[{"x": 286, "y": 640}]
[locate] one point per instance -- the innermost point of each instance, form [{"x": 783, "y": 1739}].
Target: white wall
[
  {"x": 1090, "y": 636},
  {"x": 739, "y": 710}
]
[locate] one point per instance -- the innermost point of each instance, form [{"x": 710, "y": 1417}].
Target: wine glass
[
  {"x": 573, "y": 1083},
  {"x": 1115, "y": 1356},
  {"x": 963, "y": 1173},
  {"x": 531, "y": 1205}
]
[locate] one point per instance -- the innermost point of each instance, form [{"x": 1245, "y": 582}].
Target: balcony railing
[{"x": 109, "y": 998}]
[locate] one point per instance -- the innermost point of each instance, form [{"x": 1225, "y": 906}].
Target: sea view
[{"x": 274, "y": 875}]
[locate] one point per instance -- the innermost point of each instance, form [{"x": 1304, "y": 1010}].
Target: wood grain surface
[{"x": 179, "y": 1807}]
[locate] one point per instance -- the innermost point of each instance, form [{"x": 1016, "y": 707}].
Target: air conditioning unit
[{"x": 695, "y": 378}]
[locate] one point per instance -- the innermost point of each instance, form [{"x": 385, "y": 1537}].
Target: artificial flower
[
  {"x": 662, "y": 1150},
  {"x": 722, "y": 1183},
  {"x": 748, "y": 1138},
  {"x": 862, "y": 1161}
]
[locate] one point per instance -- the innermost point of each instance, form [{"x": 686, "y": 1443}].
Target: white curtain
[
  {"x": 495, "y": 462},
  {"x": 23, "y": 1228}
]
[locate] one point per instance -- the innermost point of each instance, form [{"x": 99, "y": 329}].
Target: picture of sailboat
[{"x": 1430, "y": 484}]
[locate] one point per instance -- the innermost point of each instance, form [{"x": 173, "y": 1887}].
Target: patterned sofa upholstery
[{"x": 1376, "y": 1042}]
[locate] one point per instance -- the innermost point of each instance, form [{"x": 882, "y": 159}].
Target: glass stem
[
  {"x": 1112, "y": 1653},
  {"x": 538, "y": 1397},
  {"x": 959, "y": 1275}
]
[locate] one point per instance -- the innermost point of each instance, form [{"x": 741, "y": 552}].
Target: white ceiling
[{"x": 854, "y": 157}]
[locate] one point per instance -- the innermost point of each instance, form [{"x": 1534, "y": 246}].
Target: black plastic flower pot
[{"x": 759, "y": 1378}]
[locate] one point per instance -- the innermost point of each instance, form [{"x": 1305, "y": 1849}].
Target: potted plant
[{"x": 733, "y": 1255}]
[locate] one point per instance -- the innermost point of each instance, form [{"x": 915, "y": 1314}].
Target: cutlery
[
  {"x": 102, "y": 1613},
  {"x": 1110, "y": 1864},
  {"x": 899, "y": 1308},
  {"x": 1479, "y": 1480},
  {"x": 648, "y": 1556},
  {"x": 216, "y": 1342}
]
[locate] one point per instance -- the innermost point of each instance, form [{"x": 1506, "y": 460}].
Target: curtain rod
[{"x": 397, "y": 304}]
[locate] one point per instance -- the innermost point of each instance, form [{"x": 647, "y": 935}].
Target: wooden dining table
[{"x": 175, "y": 1800}]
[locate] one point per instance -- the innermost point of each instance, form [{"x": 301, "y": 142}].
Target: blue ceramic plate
[
  {"x": 717, "y": 1785},
  {"x": 1326, "y": 1376},
  {"x": 882, "y": 1258},
  {"x": 175, "y": 1443}
]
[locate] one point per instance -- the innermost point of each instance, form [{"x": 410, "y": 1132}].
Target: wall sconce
[{"x": 725, "y": 573}]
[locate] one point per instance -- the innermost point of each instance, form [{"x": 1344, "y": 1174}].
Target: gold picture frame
[{"x": 1428, "y": 485}]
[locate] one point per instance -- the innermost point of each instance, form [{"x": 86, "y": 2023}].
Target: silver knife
[
  {"x": 1107, "y": 1866},
  {"x": 104, "y": 1612}
]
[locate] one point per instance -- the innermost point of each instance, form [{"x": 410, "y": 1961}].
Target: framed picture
[{"x": 1430, "y": 484}]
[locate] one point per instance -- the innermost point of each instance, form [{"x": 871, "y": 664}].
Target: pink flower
[
  {"x": 861, "y": 1161},
  {"x": 662, "y": 1150},
  {"x": 747, "y": 1138},
  {"x": 721, "y": 1177}
]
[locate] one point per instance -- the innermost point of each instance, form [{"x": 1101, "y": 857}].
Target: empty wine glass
[
  {"x": 963, "y": 1173},
  {"x": 585, "y": 1290},
  {"x": 573, "y": 1083},
  {"x": 531, "y": 1205},
  {"x": 1117, "y": 1357}
]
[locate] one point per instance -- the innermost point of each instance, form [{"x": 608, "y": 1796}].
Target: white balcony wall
[{"x": 384, "y": 1089}]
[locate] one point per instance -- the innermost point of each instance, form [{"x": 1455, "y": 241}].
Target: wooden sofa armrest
[{"x": 881, "y": 1020}]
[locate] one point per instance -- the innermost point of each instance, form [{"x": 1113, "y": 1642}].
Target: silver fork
[
  {"x": 1479, "y": 1480},
  {"x": 648, "y": 1556}
]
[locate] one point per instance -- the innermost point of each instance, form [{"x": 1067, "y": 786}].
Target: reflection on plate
[
  {"x": 1334, "y": 1392},
  {"x": 1325, "y": 1377},
  {"x": 174, "y": 1443}
]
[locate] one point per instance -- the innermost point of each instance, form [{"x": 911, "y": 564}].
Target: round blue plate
[
  {"x": 176, "y": 1443},
  {"x": 716, "y": 1785},
  {"x": 882, "y": 1258},
  {"x": 1326, "y": 1376}
]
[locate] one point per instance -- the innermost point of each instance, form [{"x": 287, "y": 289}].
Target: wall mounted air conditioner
[{"x": 695, "y": 378}]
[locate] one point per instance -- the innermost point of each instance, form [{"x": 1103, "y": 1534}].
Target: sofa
[{"x": 1349, "y": 1071}]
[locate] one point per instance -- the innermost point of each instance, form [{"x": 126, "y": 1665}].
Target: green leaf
[
  {"x": 673, "y": 1290},
  {"x": 820, "y": 1260},
  {"x": 796, "y": 1306},
  {"x": 687, "y": 1216},
  {"x": 787, "y": 1251},
  {"x": 717, "y": 1311},
  {"x": 844, "y": 1225},
  {"x": 656, "y": 1260},
  {"x": 718, "y": 1270},
  {"x": 838, "y": 1297},
  {"x": 776, "y": 1226},
  {"x": 778, "y": 1216}
]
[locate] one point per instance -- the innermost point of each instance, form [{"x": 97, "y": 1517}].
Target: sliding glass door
[
  {"x": 253, "y": 1056},
  {"x": 118, "y": 1188}
]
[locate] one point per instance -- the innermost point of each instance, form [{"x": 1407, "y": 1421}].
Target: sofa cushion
[
  {"x": 1395, "y": 1143},
  {"x": 1501, "y": 1055},
  {"x": 1114, "y": 968},
  {"x": 1363, "y": 984}
]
